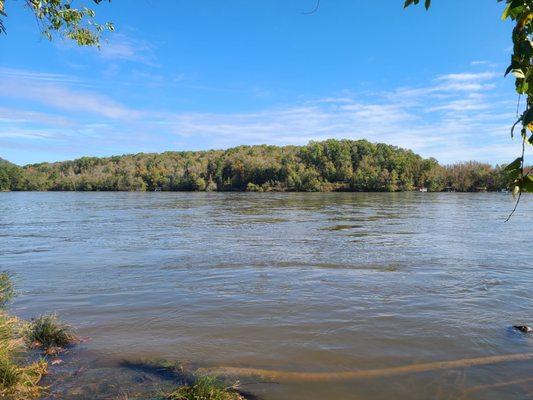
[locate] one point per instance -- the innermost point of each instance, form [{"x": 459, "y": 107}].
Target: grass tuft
[
  {"x": 18, "y": 381},
  {"x": 47, "y": 333},
  {"x": 6, "y": 289},
  {"x": 206, "y": 388},
  {"x": 19, "y": 378}
]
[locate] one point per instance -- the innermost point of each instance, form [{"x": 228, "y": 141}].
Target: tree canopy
[{"x": 331, "y": 165}]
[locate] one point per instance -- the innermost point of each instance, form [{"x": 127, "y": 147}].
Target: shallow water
[{"x": 299, "y": 282}]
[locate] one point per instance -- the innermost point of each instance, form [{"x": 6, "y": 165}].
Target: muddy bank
[{"x": 81, "y": 375}]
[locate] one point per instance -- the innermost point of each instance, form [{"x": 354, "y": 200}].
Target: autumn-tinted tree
[{"x": 332, "y": 165}]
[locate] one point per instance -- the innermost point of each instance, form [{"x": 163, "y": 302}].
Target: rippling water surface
[{"x": 295, "y": 282}]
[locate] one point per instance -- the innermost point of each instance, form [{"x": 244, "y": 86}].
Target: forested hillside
[{"x": 332, "y": 165}]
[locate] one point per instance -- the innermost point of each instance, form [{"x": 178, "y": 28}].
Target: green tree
[
  {"x": 5, "y": 182},
  {"x": 332, "y": 165}
]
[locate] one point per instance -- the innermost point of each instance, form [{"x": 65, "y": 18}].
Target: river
[{"x": 303, "y": 282}]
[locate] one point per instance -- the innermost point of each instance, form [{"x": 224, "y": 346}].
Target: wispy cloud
[
  {"x": 122, "y": 47},
  {"x": 25, "y": 75},
  {"x": 451, "y": 119},
  {"x": 59, "y": 92},
  {"x": 454, "y": 117},
  {"x": 7, "y": 132},
  {"x": 15, "y": 116},
  {"x": 467, "y": 77}
]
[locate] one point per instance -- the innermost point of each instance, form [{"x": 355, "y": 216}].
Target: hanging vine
[{"x": 521, "y": 12}]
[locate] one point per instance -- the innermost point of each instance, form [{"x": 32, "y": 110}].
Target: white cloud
[
  {"x": 458, "y": 116},
  {"x": 25, "y": 133},
  {"x": 467, "y": 77},
  {"x": 455, "y": 117},
  {"x": 25, "y": 75},
  {"x": 56, "y": 91},
  {"x": 122, "y": 47},
  {"x": 12, "y": 115}
]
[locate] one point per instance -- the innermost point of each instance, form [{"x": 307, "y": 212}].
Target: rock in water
[{"x": 523, "y": 328}]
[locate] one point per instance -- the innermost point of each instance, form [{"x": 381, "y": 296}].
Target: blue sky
[{"x": 188, "y": 75}]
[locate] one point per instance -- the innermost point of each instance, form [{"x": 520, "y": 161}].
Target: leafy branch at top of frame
[{"x": 61, "y": 17}]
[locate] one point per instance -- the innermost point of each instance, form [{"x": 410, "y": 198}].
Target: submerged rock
[{"x": 523, "y": 328}]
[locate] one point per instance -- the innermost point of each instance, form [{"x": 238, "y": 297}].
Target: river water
[{"x": 303, "y": 282}]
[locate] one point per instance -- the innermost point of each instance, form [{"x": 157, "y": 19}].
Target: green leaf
[
  {"x": 527, "y": 117},
  {"x": 515, "y": 165},
  {"x": 522, "y": 86},
  {"x": 407, "y": 3},
  {"x": 518, "y": 73},
  {"x": 527, "y": 184},
  {"x": 505, "y": 14}
]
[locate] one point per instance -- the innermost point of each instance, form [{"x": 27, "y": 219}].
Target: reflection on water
[{"x": 299, "y": 282}]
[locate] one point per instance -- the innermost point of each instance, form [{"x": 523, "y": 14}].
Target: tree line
[{"x": 331, "y": 165}]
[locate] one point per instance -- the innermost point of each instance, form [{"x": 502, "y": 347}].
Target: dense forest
[{"x": 331, "y": 165}]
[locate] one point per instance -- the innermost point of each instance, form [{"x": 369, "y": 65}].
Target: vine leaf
[
  {"x": 515, "y": 165},
  {"x": 527, "y": 117},
  {"x": 407, "y": 3}
]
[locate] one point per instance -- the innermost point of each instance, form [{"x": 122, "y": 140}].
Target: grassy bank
[
  {"x": 19, "y": 379},
  {"x": 25, "y": 347}
]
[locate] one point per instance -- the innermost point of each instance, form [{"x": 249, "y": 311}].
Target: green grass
[
  {"x": 8, "y": 346},
  {"x": 18, "y": 380},
  {"x": 6, "y": 289},
  {"x": 206, "y": 388},
  {"x": 47, "y": 333}
]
